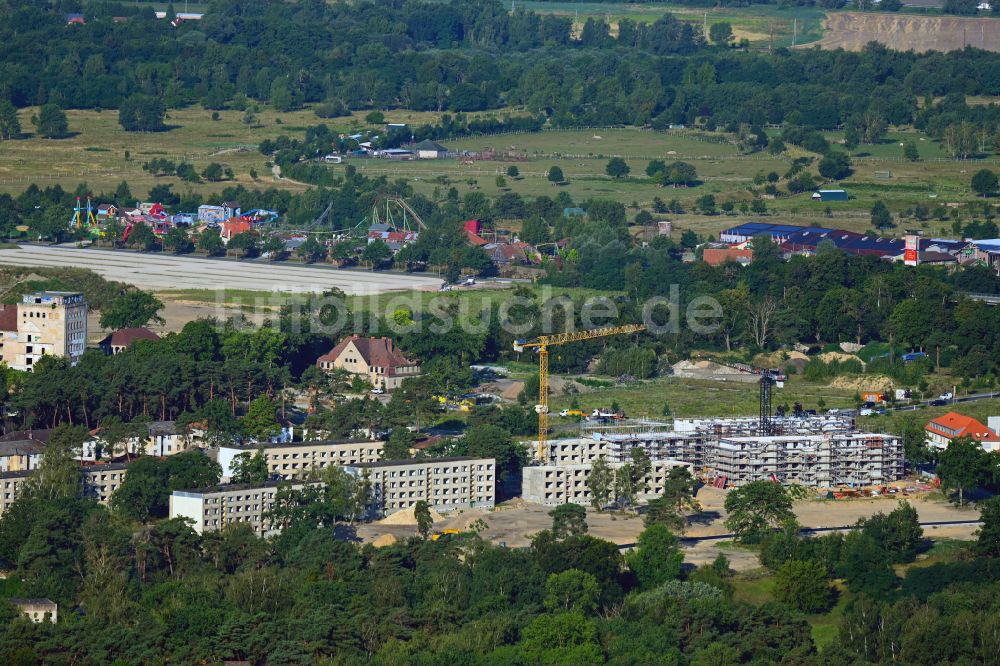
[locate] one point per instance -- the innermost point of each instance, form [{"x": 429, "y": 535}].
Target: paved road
[{"x": 164, "y": 271}]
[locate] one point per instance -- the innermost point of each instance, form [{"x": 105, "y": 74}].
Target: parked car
[
  {"x": 866, "y": 411},
  {"x": 946, "y": 396},
  {"x": 938, "y": 402},
  {"x": 378, "y": 390}
]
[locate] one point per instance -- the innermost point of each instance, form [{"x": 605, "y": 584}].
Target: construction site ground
[{"x": 513, "y": 523}]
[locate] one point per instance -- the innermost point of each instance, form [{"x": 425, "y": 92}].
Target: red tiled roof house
[
  {"x": 378, "y": 360},
  {"x": 947, "y": 427}
]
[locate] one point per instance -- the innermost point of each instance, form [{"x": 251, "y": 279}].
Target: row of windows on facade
[
  {"x": 229, "y": 499},
  {"x": 237, "y": 519},
  {"x": 437, "y": 470},
  {"x": 246, "y": 508},
  {"x": 403, "y": 504},
  {"x": 319, "y": 454}
]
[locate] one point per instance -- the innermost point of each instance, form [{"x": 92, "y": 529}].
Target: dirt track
[{"x": 852, "y": 30}]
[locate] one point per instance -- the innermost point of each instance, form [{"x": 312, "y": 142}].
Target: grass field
[
  {"x": 95, "y": 151},
  {"x": 95, "y": 154},
  {"x": 692, "y": 397},
  {"x": 469, "y": 301}
]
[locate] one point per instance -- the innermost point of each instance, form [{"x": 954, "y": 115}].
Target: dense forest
[
  {"x": 458, "y": 56},
  {"x": 137, "y": 594}
]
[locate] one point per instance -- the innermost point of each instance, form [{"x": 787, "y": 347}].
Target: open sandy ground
[
  {"x": 902, "y": 32},
  {"x": 514, "y": 523}
]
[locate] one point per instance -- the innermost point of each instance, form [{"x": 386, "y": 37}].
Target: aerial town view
[{"x": 488, "y": 333}]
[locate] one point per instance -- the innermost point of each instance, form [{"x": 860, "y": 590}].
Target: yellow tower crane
[{"x": 542, "y": 343}]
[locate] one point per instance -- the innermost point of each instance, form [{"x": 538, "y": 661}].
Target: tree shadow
[
  {"x": 704, "y": 517},
  {"x": 61, "y": 137},
  {"x": 343, "y": 532}
]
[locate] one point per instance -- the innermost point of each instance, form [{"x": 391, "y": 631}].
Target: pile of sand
[
  {"x": 778, "y": 359},
  {"x": 408, "y": 517},
  {"x": 867, "y": 383},
  {"x": 463, "y": 522},
  {"x": 384, "y": 540},
  {"x": 837, "y": 356}
]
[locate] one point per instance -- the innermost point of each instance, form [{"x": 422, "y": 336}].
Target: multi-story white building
[
  {"x": 821, "y": 451},
  {"x": 824, "y": 461},
  {"x": 447, "y": 484},
  {"x": 560, "y": 484},
  {"x": 44, "y": 323},
  {"x": 212, "y": 509},
  {"x": 97, "y": 481},
  {"x": 296, "y": 459}
]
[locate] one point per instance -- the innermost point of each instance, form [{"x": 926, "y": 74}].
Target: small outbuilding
[
  {"x": 123, "y": 338},
  {"x": 37, "y": 610},
  {"x": 830, "y": 195}
]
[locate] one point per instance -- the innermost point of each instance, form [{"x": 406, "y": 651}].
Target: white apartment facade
[
  {"x": 99, "y": 482},
  {"x": 295, "y": 460},
  {"x": 560, "y": 484},
  {"x": 446, "y": 484},
  {"x": 212, "y": 509}
]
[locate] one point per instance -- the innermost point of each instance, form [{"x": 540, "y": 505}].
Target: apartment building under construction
[
  {"x": 824, "y": 461},
  {"x": 818, "y": 451}
]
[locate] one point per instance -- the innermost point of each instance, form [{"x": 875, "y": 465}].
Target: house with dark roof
[
  {"x": 123, "y": 338},
  {"x": 378, "y": 360},
  {"x": 430, "y": 150}
]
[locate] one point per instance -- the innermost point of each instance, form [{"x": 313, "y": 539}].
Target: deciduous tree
[{"x": 756, "y": 508}]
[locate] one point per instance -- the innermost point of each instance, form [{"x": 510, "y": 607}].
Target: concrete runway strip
[{"x": 157, "y": 271}]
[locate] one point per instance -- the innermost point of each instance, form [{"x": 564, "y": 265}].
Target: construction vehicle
[
  {"x": 571, "y": 412},
  {"x": 542, "y": 344},
  {"x": 447, "y": 532}
]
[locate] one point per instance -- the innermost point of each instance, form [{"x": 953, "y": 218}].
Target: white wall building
[
  {"x": 447, "y": 484},
  {"x": 296, "y": 459},
  {"x": 212, "y": 509},
  {"x": 559, "y": 484}
]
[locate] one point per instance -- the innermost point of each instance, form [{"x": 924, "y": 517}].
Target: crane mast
[{"x": 542, "y": 343}]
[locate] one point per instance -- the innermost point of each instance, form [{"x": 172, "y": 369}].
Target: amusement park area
[
  {"x": 392, "y": 223},
  {"x": 376, "y": 241}
]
